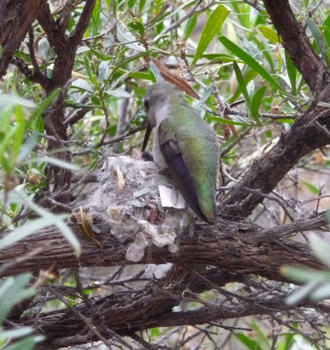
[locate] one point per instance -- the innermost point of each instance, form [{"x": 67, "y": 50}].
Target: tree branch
[
  {"x": 303, "y": 138},
  {"x": 296, "y": 42},
  {"x": 15, "y": 20},
  {"x": 234, "y": 248}
]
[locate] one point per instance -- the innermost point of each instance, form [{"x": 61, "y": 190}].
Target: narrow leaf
[
  {"x": 248, "y": 342},
  {"x": 229, "y": 121},
  {"x": 292, "y": 72},
  {"x": 127, "y": 38},
  {"x": 256, "y": 102},
  {"x": 302, "y": 293},
  {"x": 302, "y": 275},
  {"x": 20, "y": 133},
  {"x": 190, "y": 26},
  {"x": 322, "y": 292},
  {"x": 8, "y": 99},
  {"x": 82, "y": 84},
  {"x": 23, "y": 231},
  {"x": 312, "y": 188},
  {"x": 320, "y": 41},
  {"x": 60, "y": 163},
  {"x": 212, "y": 27},
  {"x": 251, "y": 62},
  {"x": 42, "y": 106},
  {"x": 269, "y": 34},
  {"x": 320, "y": 248},
  {"x": 241, "y": 83},
  {"x": 16, "y": 333}
]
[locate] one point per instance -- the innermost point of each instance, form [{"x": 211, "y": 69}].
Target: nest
[{"x": 139, "y": 203}]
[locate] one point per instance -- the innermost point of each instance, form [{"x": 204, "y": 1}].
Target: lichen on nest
[{"x": 129, "y": 199}]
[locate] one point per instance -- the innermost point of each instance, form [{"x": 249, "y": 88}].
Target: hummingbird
[{"x": 185, "y": 145}]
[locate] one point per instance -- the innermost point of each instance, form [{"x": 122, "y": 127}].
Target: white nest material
[{"x": 137, "y": 201}]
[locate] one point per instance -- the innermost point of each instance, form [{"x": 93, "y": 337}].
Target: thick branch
[
  {"x": 65, "y": 47},
  {"x": 235, "y": 250},
  {"x": 297, "y": 44},
  {"x": 304, "y": 137},
  {"x": 62, "y": 327},
  {"x": 240, "y": 248},
  {"x": 15, "y": 20}
]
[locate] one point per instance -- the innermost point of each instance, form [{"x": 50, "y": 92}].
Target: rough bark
[
  {"x": 16, "y": 18},
  {"x": 296, "y": 42},
  {"x": 235, "y": 252},
  {"x": 235, "y": 249},
  {"x": 309, "y": 131}
]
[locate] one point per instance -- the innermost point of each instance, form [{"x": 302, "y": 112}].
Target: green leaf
[
  {"x": 16, "y": 333},
  {"x": 28, "y": 146},
  {"x": 249, "y": 343},
  {"x": 141, "y": 5},
  {"x": 244, "y": 15},
  {"x": 288, "y": 342},
  {"x": 155, "y": 71},
  {"x": 60, "y": 163},
  {"x": 251, "y": 62},
  {"x": 96, "y": 15},
  {"x": 312, "y": 189},
  {"x": 261, "y": 335},
  {"x": 266, "y": 51},
  {"x": 302, "y": 275},
  {"x": 320, "y": 248},
  {"x": 219, "y": 57},
  {"x": 143, "y": 75},
  {"x": 19, "y": 135},
  {"x": 89, "y": 71},
  {"x": 256, "y": 102},
  {"x": 326, "y": 33},
  {"x": 320, "y": 41},
  {"x": 292, "y": 73},
  {"x": 103, "y": 71},
  {"x": 26, "y": 344},
  {"x": 242, "y": 85},
  {"x": 269, "y": 34},
  {"x": 249, "y": 75},
  {"x": 212, "y": 27},
  {"x": 322, "y": 292},
  {"x": 137, "y": 27},
  {"x": 5, "y": 119},
  {"x": 190, "y": 26},
  {"x": 8, "y": 99},
  {"x": 101, "y": 55},
  {"x": 47, "y": 219},
  {"x": 82, "y": 84},
  {"x": 227, "y": 121},
  {"x": 302, "y": 293},
  {"x": 131, "y": 3},
  {"x": 127, "y": 38},
  {"x": 13, "y": 290},
  {"x": 118, "y": 93},
  {"x": 9, "y": 137},
  {"x": 42, "y": 107},
  {"x": 206, "y": 94}
]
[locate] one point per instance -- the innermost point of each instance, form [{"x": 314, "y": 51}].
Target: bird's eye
[{"x": 146, "y": 105}]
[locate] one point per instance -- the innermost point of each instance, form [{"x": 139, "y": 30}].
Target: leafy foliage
[{"x": 230, "y": 55}]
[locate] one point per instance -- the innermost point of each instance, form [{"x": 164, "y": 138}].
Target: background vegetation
[{"x": 74, "y": 74}]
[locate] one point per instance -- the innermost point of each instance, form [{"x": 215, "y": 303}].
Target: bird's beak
[{"x": 146, "y": 137}]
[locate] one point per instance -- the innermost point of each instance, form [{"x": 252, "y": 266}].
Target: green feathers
[{"x": 186, "y": 145}]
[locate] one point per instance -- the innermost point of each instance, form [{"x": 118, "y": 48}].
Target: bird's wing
[{"x": 178, "y": 169}]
